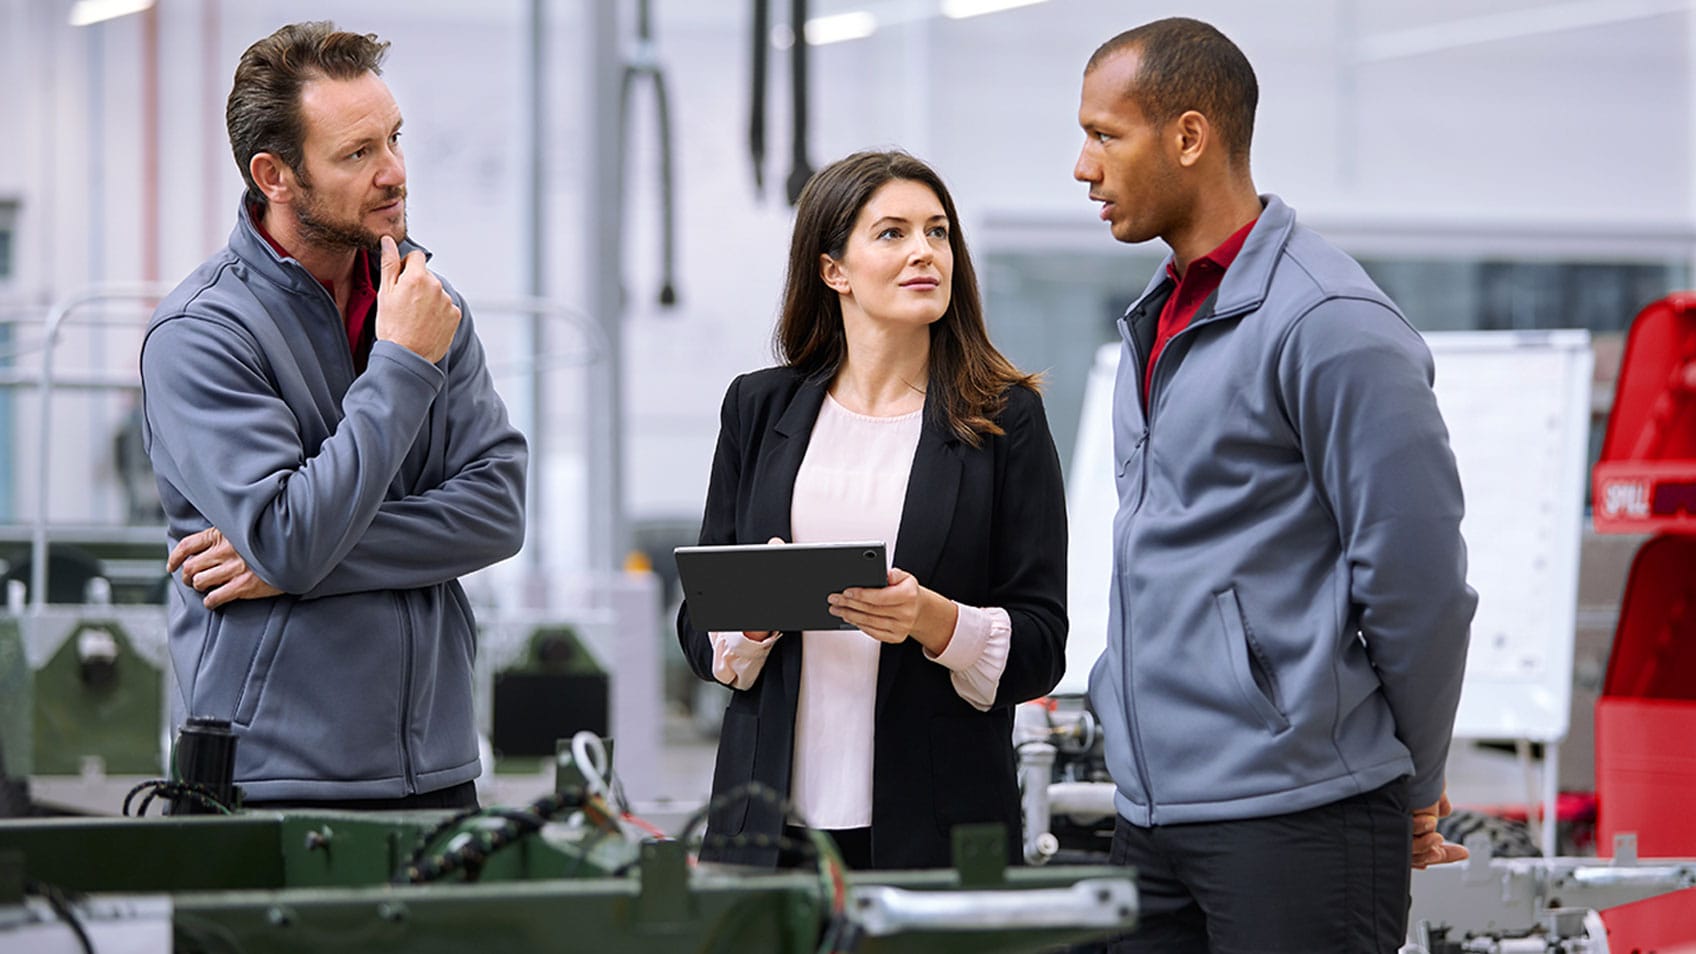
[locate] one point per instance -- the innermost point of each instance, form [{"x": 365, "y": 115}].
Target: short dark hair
[
  {"x": 263, "y": 111},
  {"x": 969, "y": 378},
  {"x": 1186, "y": 64}
]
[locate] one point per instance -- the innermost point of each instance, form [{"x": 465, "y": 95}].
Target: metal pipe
[
  {"x": 608, "y": 536},
  {"x": 51, "y": 326},
  {"x": 1092, "y": 902},
  {"x": 150, "y": 144},
  {"x": 536, "y": 535},
  {"x": 1036, "y": 767},
  {"x": 1082, "y": 800},
  {"x": 1604, "y": 876}
]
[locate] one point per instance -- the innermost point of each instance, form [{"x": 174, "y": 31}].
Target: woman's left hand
[{"x": 892, "y": 613}]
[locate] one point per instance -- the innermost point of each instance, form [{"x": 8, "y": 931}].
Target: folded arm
[
  {"x": 224, "y": 438},
  {"x": 474, "y": 517}
]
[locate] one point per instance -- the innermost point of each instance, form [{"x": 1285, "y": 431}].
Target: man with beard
[{"x": 330, "y": 452}]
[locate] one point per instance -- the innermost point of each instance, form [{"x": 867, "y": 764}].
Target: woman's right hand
[{"x": 760, "y": 636}]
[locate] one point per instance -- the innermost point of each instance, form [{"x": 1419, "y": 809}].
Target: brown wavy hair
[
  {"x": 263, "y": 111},
  {"x": 969, "y": 378}
]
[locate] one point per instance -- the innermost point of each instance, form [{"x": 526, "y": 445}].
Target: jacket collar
[
  {"x": 1245, "y": 285},
  {"x": 251, "y": 248}
]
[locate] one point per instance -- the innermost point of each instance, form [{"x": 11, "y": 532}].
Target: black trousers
[
  {"x": 1328, "y": 880},
  {"x": 461, "y": 796}
]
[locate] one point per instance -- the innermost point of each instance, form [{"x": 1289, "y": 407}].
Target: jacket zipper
[
  {"x": 340, "y": 322},
  {"x": 1141, "y": 450},
  {"x": 406, "y": 695}
]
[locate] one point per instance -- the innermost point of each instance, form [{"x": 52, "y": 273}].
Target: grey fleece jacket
[
  {"x": 1290, "y": 613},
  {"x": 363, "y": 498}
]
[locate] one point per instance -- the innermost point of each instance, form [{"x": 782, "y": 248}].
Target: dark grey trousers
[{"x": 1328, "y": 880}]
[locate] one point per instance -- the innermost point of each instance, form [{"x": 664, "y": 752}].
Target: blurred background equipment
[
  {"x": 555, "y": 691},
  {"x": 573, "y": 867},
  {"x": 1646, "y": 482}
]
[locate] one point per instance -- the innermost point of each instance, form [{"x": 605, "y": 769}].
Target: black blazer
[{"x": 984, "y": 526}]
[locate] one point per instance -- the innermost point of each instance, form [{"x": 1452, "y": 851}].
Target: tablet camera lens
[{"x": 870, "y": 554}]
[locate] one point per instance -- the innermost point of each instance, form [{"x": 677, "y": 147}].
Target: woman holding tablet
[{"x": 892, "y": 417}]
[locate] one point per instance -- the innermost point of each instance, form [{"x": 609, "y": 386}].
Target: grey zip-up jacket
[
  {"x": 1290, "y": 610},
  {"x": 362, "y": 497}
]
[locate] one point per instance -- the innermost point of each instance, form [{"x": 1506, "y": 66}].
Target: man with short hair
[
  {"x": 1290, "y": 611},
  {"x": 331, "y": 454}
]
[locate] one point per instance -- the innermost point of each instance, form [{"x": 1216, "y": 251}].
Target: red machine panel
[
  {"x": 1645, "y": 480},
  {"x": 1646, "y": 717}
]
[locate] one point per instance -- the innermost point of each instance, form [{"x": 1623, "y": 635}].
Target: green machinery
[
  {"x": 80, "y": 684},
  {"x": 266, "y": 882}
]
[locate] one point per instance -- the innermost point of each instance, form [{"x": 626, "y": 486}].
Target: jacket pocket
[
  {"x": 1249, "y": 668},
  {"x": 732, "y": 771},
  {"x": 242, "y": 640},
  {"x": 1128, "y": 474}
]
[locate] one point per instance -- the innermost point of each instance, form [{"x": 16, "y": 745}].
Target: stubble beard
[{"x": 319, "y": 226}]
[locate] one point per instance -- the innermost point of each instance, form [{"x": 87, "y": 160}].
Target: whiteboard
[
  {"x": 1518, "y": 409},
  {"x": 1517, "y": 405}
]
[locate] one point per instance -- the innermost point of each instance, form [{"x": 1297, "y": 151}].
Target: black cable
[
  {"x": 167, "y": 789},
  {"x": 646, "y": 65},
  {"x": 800, "y": 170},
  {"x": 757, "y": 791},
  {"x": 757, "y": 112},
  {"x": 61, "y": 902},
  {"x": 406, "y": 873},
  {"x": 668, "y": 194},
  {"x": 470, "y": 857}
]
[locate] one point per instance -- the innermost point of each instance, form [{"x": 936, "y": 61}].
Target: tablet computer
[{"x": 775, "y": 586}]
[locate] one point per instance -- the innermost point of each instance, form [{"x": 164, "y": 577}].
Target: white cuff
[
  {"x": 737, "y": 660},
  {"x": 977, "y": 653}
]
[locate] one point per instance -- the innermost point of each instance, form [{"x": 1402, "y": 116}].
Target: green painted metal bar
[{"x": 257, "y": 883}]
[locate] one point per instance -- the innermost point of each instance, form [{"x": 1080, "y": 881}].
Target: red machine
[{"x": 1645, "y": 482}]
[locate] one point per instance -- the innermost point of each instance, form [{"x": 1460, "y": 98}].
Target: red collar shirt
[
  {"x": 361, "y": 299},
  {"x": 1200, "y": 280}
]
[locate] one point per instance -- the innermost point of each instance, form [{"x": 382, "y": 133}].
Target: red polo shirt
[
  {"x": 361, "y": 298},
  {"x": 1200, "y": 280}
]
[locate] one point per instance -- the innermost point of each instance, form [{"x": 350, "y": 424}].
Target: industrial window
[{"x": 1508, "y": 295}]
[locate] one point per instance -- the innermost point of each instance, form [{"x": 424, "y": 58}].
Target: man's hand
[
  {"x": 210, "y": 563},
  {"x": 1429, "y": 848},
  {"x": 413, "y": 310}
]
